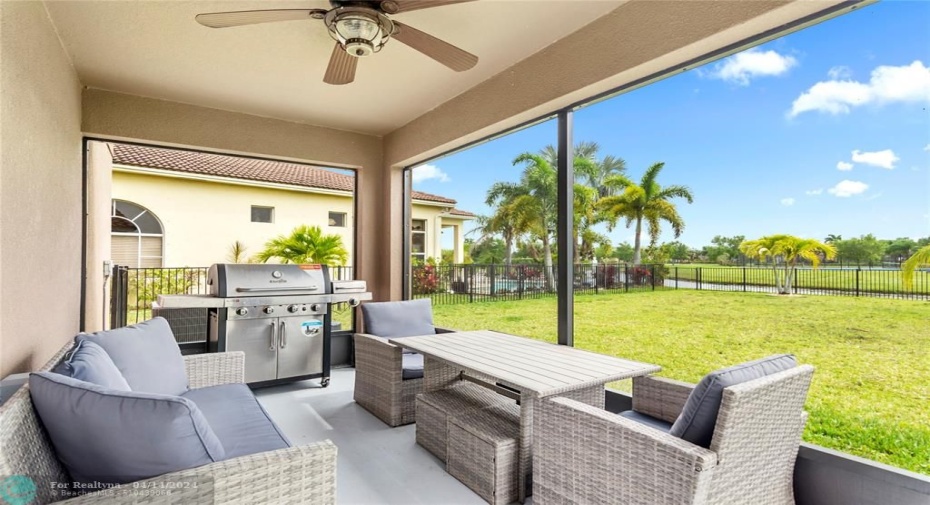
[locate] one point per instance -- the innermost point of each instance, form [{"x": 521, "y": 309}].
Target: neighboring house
[{"x": 174, "y": 208}]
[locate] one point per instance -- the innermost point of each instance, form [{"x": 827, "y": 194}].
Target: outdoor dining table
[{"x": 527, "y": 369}]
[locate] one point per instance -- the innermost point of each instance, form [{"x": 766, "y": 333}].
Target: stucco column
[
  {"x": 99, "y": 194},
  {"x": 458, "y": 230}
]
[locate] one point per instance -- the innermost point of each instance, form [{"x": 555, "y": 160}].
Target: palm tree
[
  {"x": 508, "y": 222},
  {"x": 237, "y": 252},
  {"x": 909, "y": 267},
  {"x": 534, "y": 199},
  {"x": 787, "y": 250},
  {"x": 306, "y": 244},
  {"x": 646, "y": 201},
  {"x": 833, "y": 238}
]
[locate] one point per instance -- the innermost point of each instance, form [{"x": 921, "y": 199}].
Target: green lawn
[{"x": 871, "y": 390}]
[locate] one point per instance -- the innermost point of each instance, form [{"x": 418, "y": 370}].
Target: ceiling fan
[{"x": 360, "y": 28}]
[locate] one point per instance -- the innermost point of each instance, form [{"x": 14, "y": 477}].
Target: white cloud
[
  {"x": 847, "y": 188},
  {"x": 743, "y": 67},
  {"x": 787, "y": 202},
  {"x": 839, "y": 72},
  {"x": 907, "y": 83},
  {"x": 426, "y": 172},
  {"x": 927, "y": 148},
  {"x": 814, "y": 192},
  {"x": 844, "y": 166},
  {"x": 882, "y": 159}
]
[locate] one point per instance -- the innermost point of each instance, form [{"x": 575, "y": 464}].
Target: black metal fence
[
  {"x": 451, "y": 284},
  {"x": 828, "y": 280},
  {"x": 134, "y": 289}
]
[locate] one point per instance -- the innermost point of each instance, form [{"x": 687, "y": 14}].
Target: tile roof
[
  {"x": 236, "y": 167},
  {"x": 460, "y": 212}
]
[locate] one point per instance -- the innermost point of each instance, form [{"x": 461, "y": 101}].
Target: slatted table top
[{"x": 532, "y": 366}]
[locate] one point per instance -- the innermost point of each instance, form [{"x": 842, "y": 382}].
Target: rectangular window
[
  {"x": 262, "y": 214},
  {"x": 418, "y": 239},
  {"x": 337, "y": 219}
]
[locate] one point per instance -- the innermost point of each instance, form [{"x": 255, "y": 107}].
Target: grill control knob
[
  {"x": 242, "y": 311},
  {"x": 292, "y": 308},
  {"x": 315, "y": 307},
  {"x": 268, "y": 310}
]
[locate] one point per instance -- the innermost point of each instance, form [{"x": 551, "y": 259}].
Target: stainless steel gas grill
[{"x": 279, "y": 315}]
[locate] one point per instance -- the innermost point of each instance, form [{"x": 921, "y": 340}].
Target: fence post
[
  {"x": 857, "y": 281},
  {"x": 470, "y": 281},
  {"x": 626, "y": 278},
  {"x": 676, "y": 277},
  {"x": 119, "y": 296},
  {"x": 697, "y": 278},
  {"x": 744, "y": 278},
  {"x": 652, "y": 276},
  {"x": 492, "y": 276},
  {"x": 797, "y": 280}
]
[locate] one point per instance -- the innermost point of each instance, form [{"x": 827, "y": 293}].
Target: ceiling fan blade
[
  {"x": 439, "y": 50},
  {"x": 341, "y": 68},
  {"x": 239, "y": 18},
  {"x": 414, "y": 5}
]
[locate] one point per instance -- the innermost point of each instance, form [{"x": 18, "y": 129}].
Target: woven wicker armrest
[
  {"x": 303, "y": 474},
  {"x": 583, "y": 454},
  {"x": 375, "y": 354},
  {"x": 215, "y": 368},
  {"x": 660, "y": 397}
]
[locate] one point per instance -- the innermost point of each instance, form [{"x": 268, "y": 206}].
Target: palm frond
[{"x": 909, "y": 267}]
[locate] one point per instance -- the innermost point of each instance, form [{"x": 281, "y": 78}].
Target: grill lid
[{"x": 239, "y": 280}]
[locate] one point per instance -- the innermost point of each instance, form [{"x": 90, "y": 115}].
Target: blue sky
[{"x": 823, "y": 131}]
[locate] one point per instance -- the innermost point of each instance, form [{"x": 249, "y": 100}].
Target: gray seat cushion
[
  {"x": 238, "y": 420},
  {"x": 110, "y": 436},
  {"x": 647, "y": 420},
  {"x": 408, "y": 318},
  {"x": 146, "y": 354},
  {"x": 90, "y": 363},
  {"x": 413, "y": 366},
  {"x": 698, "y": 417}
]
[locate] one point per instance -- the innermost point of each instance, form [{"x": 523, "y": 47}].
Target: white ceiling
[{"x": 156, "y": 49}]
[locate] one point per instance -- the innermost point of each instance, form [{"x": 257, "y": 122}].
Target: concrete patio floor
[{"x": 376, "y": 463}]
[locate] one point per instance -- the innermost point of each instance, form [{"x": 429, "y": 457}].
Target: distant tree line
[{"x": 722, "y": 250}]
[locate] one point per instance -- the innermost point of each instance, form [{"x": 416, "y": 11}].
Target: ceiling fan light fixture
[{"x": 362, "y": 32}]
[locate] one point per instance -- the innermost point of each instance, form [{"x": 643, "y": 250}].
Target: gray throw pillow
[
  {"x": 90, "y": 363},
  {"x": 112, "y": 436},
  {"x": 698, "y": 418},
  {"x": 409, "y": 318},
  {"x": 146, "y": 354}
]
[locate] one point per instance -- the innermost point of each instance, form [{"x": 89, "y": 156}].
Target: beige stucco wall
[
  {"x": 40, "y": 193},
  {"x": 201, "y": 219},
  {"x": 99, "y": 166}
]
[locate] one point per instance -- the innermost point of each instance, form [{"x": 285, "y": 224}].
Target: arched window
[{"x": 136, "y": 236}]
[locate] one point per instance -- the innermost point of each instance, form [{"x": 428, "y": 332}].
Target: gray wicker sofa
[{"x": 298, "y": 474}]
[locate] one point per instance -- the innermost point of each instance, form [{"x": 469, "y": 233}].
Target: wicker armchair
[
  {"x": 583, "y": 454},
  {"x": 380, "y": 386},
  {"x": 301, "y": 474}
]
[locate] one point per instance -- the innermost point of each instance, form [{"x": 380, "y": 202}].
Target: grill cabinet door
[
  {"x": 300, "y": 346},
  {"x": 255, "y": 338}
]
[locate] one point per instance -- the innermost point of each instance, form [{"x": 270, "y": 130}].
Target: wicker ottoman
[
  {"x": 435, "y": 407},
  {"x": 483, "y": 452}
]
